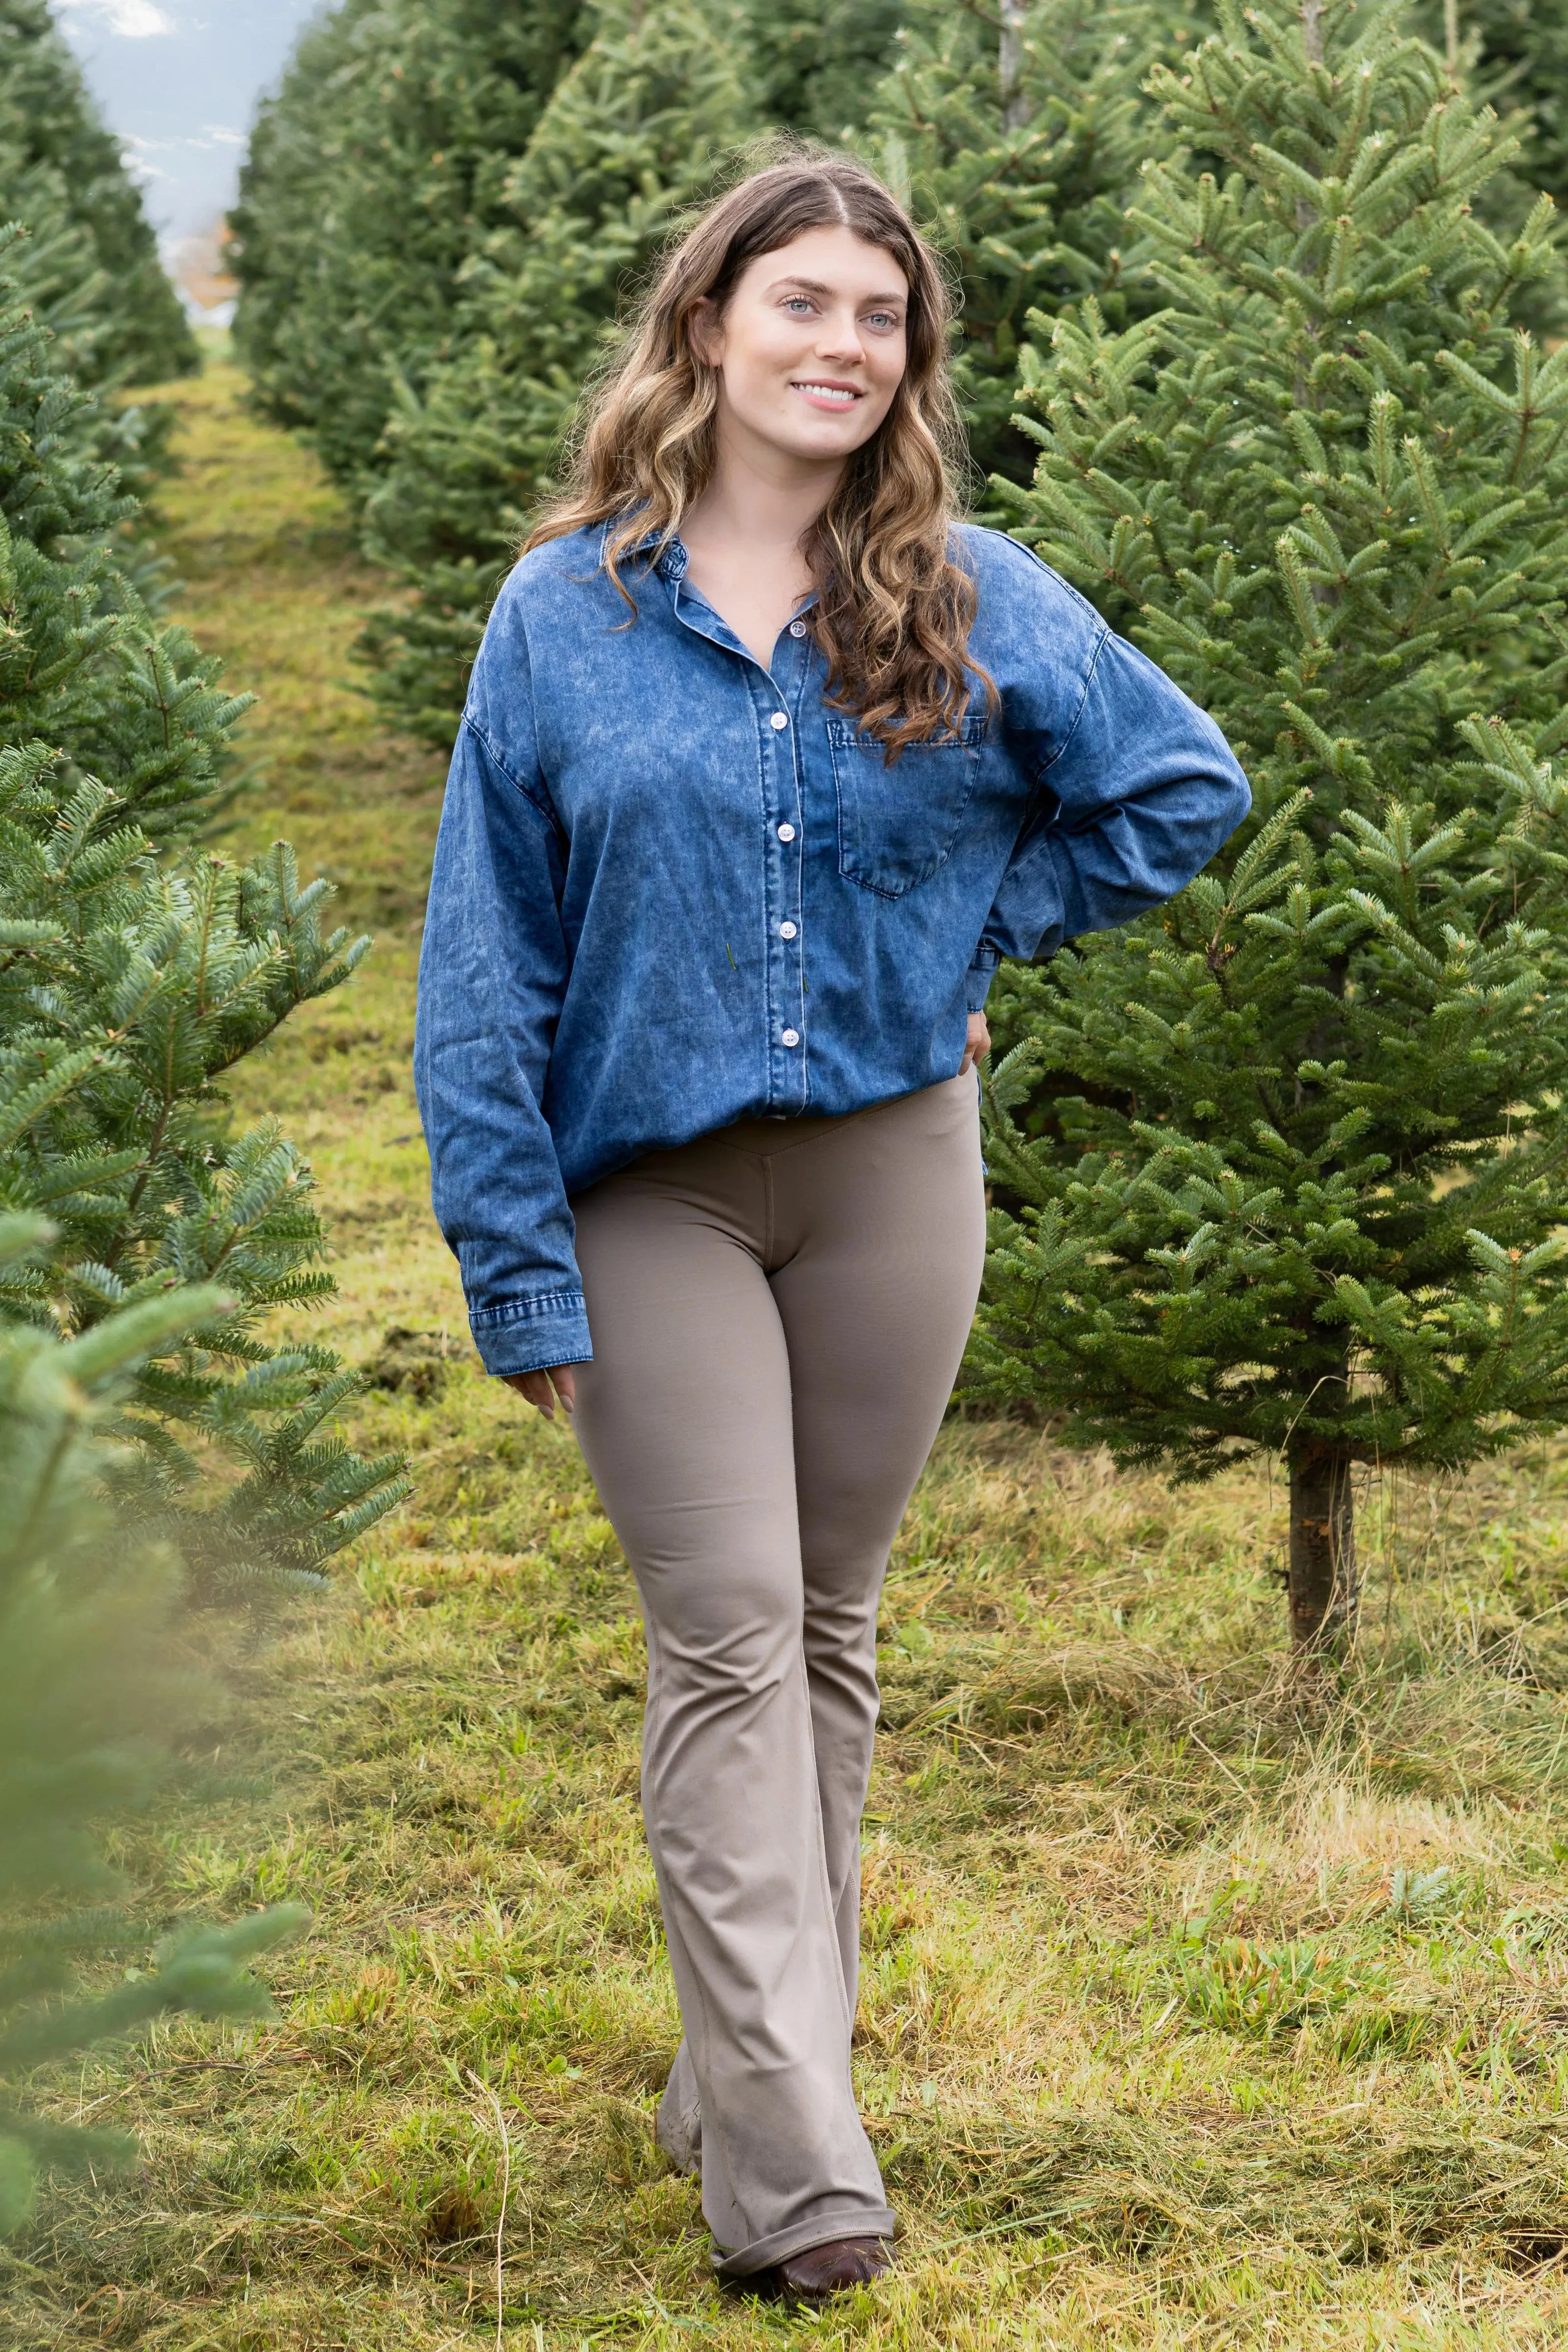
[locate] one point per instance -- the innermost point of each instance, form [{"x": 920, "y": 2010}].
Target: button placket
[{"x": 787, "y": 1084}]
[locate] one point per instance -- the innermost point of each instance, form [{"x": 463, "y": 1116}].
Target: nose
[{"x": 838, "y": 338}]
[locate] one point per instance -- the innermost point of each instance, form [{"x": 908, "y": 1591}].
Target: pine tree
[
  {"x": 1018, "y": 148},
  {"x": 640, "y": 128},
  {"x": 813, "y": 65},
  {"x": 134, "y": 974},
  {"x": 372, "y": 176},
  {"x": 423, "y": 161},
  {"x": 379, "y": 174},
  {"x": 1513, "y": 59},
  {"x": 93, "y": 1692},
  {"x": 1296, "y": 1177},
  {"x": 1519, "y": 54},
  {"x": 93, "y": 253}
]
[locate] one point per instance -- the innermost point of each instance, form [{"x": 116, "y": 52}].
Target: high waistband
[{"x": 766, "y": 1138}]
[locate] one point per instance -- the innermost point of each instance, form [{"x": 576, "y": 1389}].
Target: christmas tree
[
  {"x": 641, "y": 128},
  {"x": 1289, "y": 1159},
  {"x": 93, "y": 264},
  {"x": 1517, "y": 53},
  {"x": 93, "y": 1691},
  {"x": 812, "y": 66},
  {"x": 372, "y": 176},
  {"x": 134, "y": 974},
  {"x": 1018, "y": 144},
  {"x": 156, "y": 1433},
  {"x": 378, "y": 180}
]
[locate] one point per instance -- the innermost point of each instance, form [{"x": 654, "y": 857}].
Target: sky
[{"x": 178, "y": 80}]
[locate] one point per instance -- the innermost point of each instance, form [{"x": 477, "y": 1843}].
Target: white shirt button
[
  {"x": 791, "y": 1036},
  {"x": 786, "y": 930},
  {"x": 786, "y": 833},
  {"x": 778, "y": 721},
  {"x": 798, "y": 628}
]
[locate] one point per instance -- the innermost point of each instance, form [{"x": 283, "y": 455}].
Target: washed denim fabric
[{"x": 673, "y": 889}]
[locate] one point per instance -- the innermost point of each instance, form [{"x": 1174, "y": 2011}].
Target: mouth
[{"x": 826, "y": 395}]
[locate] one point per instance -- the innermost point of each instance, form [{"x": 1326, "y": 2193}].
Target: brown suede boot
[{"x": 820, "y": 2271}]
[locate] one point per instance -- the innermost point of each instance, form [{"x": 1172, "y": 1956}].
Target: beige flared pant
[{"x": 778, "y": 1311}]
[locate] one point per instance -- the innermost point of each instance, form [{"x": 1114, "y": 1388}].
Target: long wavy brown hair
[{"x": 893, "y": 610}]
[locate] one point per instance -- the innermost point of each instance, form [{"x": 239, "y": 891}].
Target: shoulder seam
[
  {"x": 482, "y": 737},
  {"x": 1097, "y": 621},
  {"x": 1099, "y": 645},
  {"x": 1058, "y": 579}
]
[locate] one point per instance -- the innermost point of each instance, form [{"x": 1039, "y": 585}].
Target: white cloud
[{"x": 135, "y": 20}]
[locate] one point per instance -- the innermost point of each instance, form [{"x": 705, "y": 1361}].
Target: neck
[{"x": 760, "y": 496}]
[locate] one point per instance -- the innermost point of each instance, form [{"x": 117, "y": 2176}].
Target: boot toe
[{"x": 818, "y": 2272}]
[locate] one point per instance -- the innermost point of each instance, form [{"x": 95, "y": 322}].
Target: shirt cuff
[
  {"x": 977, "y": 980},
  {"x": 528, "y": 1335}
]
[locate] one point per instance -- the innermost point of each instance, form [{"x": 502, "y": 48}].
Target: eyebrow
[{"x": 816, "y": 286}]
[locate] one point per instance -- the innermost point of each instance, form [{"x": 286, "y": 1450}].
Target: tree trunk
[
  {"x": 1010, "y": 64},
  {"x": 1322, "y": 1582}
]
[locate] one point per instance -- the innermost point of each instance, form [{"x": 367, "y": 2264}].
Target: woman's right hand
[
  {"x": 976, "y": 1045},
  {"x": 542, "y": 1388}
]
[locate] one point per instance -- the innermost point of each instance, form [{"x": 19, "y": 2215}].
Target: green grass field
[{"x": 1190, "y": 2018}]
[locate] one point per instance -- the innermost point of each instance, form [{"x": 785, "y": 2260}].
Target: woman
[{"x": 766, "y": 762}]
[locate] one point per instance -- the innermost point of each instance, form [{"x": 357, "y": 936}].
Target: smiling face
[{"x": 810, "y": 348}]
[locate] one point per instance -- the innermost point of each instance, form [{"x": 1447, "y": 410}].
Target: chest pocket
[{"x": 897, "y": 826}]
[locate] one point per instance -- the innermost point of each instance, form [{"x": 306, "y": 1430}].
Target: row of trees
[
  {"x": 160, "y": 1443},
  {"x": 444, "y": 206},
  {"x": 438, "y": 216},
  {"x": 445, "y": 203},
  {"x": 89, "y": 270},
  {"x": 1289, "y": 1161},
  {"x": 1245, "y": 356}
]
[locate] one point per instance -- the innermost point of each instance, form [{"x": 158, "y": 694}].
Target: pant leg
[
  {"x": 881, "y": 1226},
  {"x": 685, "y": 1419}
]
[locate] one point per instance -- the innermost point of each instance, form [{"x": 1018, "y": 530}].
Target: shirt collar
[{"x": 672, "y": 560}]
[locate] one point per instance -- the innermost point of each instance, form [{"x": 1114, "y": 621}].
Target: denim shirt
[{"x": 673, "y": 889}]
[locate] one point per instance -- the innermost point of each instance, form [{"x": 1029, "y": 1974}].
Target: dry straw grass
[{"x": 1191, "y": 2016}]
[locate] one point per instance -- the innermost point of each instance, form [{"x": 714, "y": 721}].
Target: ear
[{"x": 705, "y": 331}]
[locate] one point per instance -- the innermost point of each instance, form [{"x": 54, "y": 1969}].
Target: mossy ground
[{"x": 1191, "y": 2017}]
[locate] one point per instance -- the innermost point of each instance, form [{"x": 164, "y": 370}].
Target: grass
[{"x": 1190, "y": 2018}]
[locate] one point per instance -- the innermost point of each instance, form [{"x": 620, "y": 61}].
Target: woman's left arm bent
[{"x": 1133, "y": 787}]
